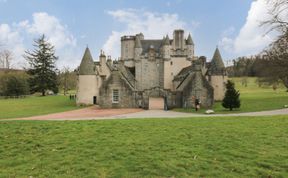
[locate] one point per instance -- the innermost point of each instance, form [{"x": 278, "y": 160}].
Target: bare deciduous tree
[
  {"x": 6, "y": 58},
  {"x": 275, "y": 63},
  {"x": 67, "y": 79},
  {"x": 278, "y": 12}
]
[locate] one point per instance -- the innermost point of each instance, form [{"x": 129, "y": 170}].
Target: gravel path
[{"x": 95, "y": 113}]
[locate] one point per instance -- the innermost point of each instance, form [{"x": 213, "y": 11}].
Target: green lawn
[
  {"x": 253, "y": 98},
  {"x": 190, "y": 147},
  {"x": 35, "y": 105}
]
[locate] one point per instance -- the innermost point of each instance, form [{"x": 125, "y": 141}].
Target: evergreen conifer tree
[
  {"x": 42, "y": 69},
  {"x": 231, "y": 99}
]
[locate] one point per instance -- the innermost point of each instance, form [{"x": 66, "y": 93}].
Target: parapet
[{"x": 127, "y": 38}]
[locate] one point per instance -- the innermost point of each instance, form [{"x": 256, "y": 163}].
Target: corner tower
[
  {"x": 166, "y": 47},
  {"x": 217, "y": 75},
  {"x": 87, "y": 84},
  {"x": 190, "y": 47}
]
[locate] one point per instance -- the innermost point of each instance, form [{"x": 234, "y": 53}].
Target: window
[
  {"x": 171, "y": 63},
  {"x": 115, "y": 96}
]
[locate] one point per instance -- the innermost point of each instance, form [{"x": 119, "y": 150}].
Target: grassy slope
[
  {"x": 253, "y": 98},
  {"x": 195, "y": 147},
  {"x": 13, "y": 108}
]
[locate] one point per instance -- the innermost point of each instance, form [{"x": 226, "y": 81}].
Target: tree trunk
[
  {"x": 231, "y": 108},
  {"x": 43, "y": 92}
]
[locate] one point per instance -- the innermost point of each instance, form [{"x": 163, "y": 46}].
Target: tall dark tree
[
  {"x": 42, "y": 69},
  {"x": 231, "y": 99}
]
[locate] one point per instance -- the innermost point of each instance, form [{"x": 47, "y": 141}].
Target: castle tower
[
  {"x": 166, "y": 47},
  {"x": 138, "y": 48},
  {"x": 127, "y": 47},
  {"x": 190, "y": 47},
  {"x": 87, "y": 89},
  {"x": 217, "y": 75},
  {"x": 87, "y": 64}
]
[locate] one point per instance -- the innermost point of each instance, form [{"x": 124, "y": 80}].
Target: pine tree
[
  {"x": 231, "y": 99},
  {"x": 43, "y": 69}
]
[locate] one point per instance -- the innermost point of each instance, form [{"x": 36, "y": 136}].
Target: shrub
[{"x": 231, "y": 99}]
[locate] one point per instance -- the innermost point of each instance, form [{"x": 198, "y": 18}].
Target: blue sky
[{"x": 70, "y": 25}]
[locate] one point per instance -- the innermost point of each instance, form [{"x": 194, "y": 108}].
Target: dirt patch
[{"x": 89, "y": 112}]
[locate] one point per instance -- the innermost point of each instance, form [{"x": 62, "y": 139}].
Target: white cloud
[
  {"x": 14, "y": 37},
  {"x": 252, "y": 38},
  {"x": 11, "y": 39},
  {"x": 51, "y": 26},
  {"x": 152, "y": 25},
  {"x": 227, "y": 43}
]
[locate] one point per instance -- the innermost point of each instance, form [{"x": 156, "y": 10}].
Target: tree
[
  {"x": 14, "y": 84},
  {"x": 43, "y": 71},
  {"x": 6, "y": 57},
  {"x": 278, "y": 12},
  {"x": 231, "y": 99},
  {"x": 275, "y": 62},
  {"x": 67, "y": 80}
]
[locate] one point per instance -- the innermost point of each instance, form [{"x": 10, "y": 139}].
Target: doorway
[
  {"x": 94, "y": 99},
  {"x": 156, "y": 103}
]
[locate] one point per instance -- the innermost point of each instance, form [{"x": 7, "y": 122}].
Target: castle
[{"x": 149, "y": 70}]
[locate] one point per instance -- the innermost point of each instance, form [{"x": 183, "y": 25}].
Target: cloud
[
  {"x": 14, "y": 37},
  {"x": 152, "y": 25},
  {"x": 252, "y": 38},
  {"x": 12, "y": 40},
  {"x": 51, "y": 26}
]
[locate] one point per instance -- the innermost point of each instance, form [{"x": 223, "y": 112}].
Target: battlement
[{"x": 127, "y": 38}]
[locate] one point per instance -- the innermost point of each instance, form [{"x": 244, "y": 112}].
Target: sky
[{"x": 71, "y": 25}]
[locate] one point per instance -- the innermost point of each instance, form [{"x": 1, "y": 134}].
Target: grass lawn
[
  {"x": 35, "y": 105},
  {"x": 190, "y": 147},
  {"x": 253, "y": 98}
]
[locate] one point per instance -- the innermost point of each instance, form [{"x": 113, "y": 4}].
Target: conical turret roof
[
  {"x": 87, "y": 64},
  {"x": 166, "y": 40},
  {"x": 138, "y": 42},
  {"x": 189, "y": 40},
  {"x": 217, "y": 66}
]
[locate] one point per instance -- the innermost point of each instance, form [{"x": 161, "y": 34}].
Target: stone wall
[
  {"x": 171, "y": 68},
  {"x": 88, "y": 87},
  {"x": 127, "y": 97},
  {"x": 197, "y": 88},
  {"x": 148, "y": 73},
  {"x": 218, "y": 83},
  {"x": 127, "y": 47},
  {"x": 158, "y": 92}
]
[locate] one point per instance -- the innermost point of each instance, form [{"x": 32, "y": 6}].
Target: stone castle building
[{"x": 163, "y": 70}]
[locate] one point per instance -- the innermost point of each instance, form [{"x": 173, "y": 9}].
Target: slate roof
[
  {"x": 156, "y": 44},
  {"x": 217, "y": 66},
  {"x": 183, "y": 73},
  {"x": 166, "y": 40},
  {"x": 189, "y": 40},
  {"x": 87, "y": 64}
]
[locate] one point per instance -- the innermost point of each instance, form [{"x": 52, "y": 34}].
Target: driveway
[{"x": 95, "y": 113}]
